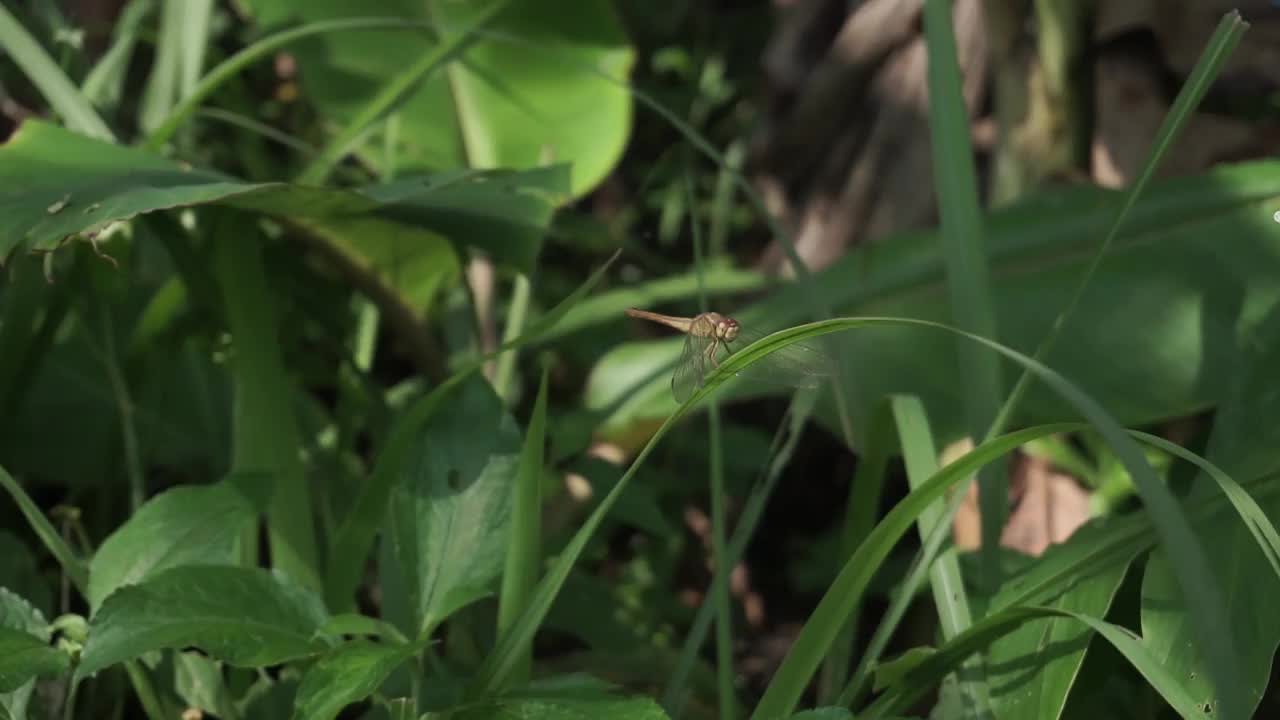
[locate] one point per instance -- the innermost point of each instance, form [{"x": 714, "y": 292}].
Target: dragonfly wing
[
  {"x": 796, "y": 365},
  {"x": 691, "y": 368}
]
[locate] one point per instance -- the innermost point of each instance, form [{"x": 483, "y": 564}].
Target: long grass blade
[
  {"x": 949, "y": 594},
  {"x": 73, "y": 567},
  {"x": 968, "y": 281},
  {"x": 1202, "y": 595},
  {"x": 1224, "y": 40},
  {"x": 57, "y": 89},
  {"x": 104, "y": 85},
  {"x": 161, "y": 91},
  {"x": 782, "y": 448},
  {"x": 915, "y": 681},
  {"x": 524, "y": 549},
  {"x": 266, "y": 437},
  {"x": 861, "y": 513}
]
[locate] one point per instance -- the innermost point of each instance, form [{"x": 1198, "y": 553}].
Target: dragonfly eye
[{"x": 729, "y": 330}]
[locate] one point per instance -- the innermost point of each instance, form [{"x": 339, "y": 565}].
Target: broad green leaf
[
  {"x": 346, "y": 675},
  {"x": 71, "y": 184},
  {"x": 827, "y": 713},
  {"x": 356, "y": 624},
  {"x": 451, "y": 507},
  {"x": 191, "y": 525},
  {"x": 246, "y": 617},
  {"x": 525, "y": 92},
  {"x": 1165, "y": 300},
  {"x": 24, "y": 657},
  {"x": 566, "y": 709},
  {"x": 17, "y": 614},
  {"x": 1055, "y": 645},
  {"x": 1242, "y": 443},
  {"x": 563, "y": 698}
]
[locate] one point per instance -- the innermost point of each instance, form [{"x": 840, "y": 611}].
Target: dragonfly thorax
[{"x": 724, "y": 328}]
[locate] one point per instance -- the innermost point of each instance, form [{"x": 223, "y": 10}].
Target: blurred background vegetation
[{"x": 701, "y": 139}]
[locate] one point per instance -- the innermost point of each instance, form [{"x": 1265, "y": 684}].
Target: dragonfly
[{"x": 710, "y": 337}]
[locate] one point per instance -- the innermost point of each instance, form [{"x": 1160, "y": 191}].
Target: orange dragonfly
[{"x": 708, "y": 340}]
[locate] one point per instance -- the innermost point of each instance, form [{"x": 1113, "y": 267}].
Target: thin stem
[
  {"x": 516, "y": 316},
  {"x": 124, "y": 404},
  {"x": 233, "y": 65},
  {"x": 720, "y": 557},
  {"x": 146, "y": 691}
]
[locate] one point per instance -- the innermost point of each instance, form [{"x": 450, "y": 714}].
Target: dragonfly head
[{"x": 727, "y": 329}]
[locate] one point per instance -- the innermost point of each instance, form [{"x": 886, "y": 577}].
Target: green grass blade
[
  {"x": 104, "y": 85},
  {"x": 861, "y": 513},
  {"x": 451, "y": 46},
  {"x": 833, "y": 611},
  {"x": 196, "y": 19},
  {"x": 906, "y": 591},
  {"x": 161, "y": 91},
  {"x": 265, "y": 428},
  {"x": 1203, "y": 597},
  {"x": 248, "y": 124},
  {"x": 1251, "y": 514},
  {"x": 781, "y": 449},
  {"x": 517, "y": 313},
  {"x": 846, "y": 591},
  {"x": 1224, "y": 40},
  {"x": 949, "y": 595},
  {"x": 609, "y": 305},
  {"x": 73, "y": 567},
  {"x": 57, "y": 89},
  {"x": 968, "y": 278},
  {"x": 524, "y": 551},
  {"x": 260, "y": 50},
  {"x": 912, "y": 683}
]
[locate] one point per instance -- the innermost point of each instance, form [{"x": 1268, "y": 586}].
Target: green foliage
[{"x": 246, "y": 617}]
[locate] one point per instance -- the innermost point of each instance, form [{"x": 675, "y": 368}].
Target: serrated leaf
[
  {"x": 346, "y": 675},
  {"x": 828, "y": 713},
  {"x": 193, "y": 525},
  {"x": 24, "y": 657},
  {"x": 574, "y": 697},
  {"x": 18, "y": 614},
  {"x": 451, "y": 507},
  {"x": 245, "y": 617}
]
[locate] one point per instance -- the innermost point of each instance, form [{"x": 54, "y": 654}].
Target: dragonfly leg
[{"x": 711, "y": 354}]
